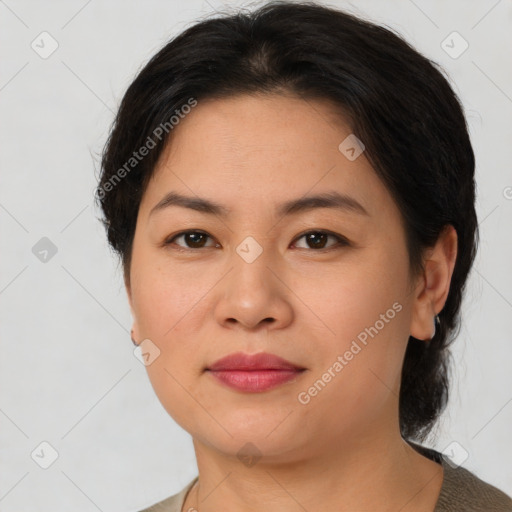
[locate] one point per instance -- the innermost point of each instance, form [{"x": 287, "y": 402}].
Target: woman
[{"x": 291, "y": 192}]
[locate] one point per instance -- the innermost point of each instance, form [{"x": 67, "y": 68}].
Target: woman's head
[{"x": 254, "y": 110}]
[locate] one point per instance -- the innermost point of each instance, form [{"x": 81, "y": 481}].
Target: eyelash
[{"x": 341, "y": 241}]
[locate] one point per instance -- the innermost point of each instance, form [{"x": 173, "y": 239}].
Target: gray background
[{"x": 68, "y": 375}]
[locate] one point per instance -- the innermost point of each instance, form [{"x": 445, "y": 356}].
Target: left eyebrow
[{"x": 326, "y": 200}]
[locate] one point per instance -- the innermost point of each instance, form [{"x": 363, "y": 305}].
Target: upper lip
[{"x": 260, "y": 361}]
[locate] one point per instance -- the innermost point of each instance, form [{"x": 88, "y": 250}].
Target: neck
[{"x": 369, "y": 473}]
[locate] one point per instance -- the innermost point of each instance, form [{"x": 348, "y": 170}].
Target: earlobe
[
  {"x": 434, "y": 284},
  {"x": 133, "y": 333}
]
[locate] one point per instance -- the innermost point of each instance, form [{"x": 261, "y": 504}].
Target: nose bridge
[
  {"x": 251, "y": 276},
  {"x": 252, "y": 293}
]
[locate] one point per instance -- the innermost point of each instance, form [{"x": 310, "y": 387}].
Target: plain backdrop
[{"x": 68, "y": 375}]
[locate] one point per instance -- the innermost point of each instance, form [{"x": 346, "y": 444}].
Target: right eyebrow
[{"x": 193, "y": 203}]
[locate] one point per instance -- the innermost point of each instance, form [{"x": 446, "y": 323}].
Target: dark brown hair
[{"x": 397, "y": 102}]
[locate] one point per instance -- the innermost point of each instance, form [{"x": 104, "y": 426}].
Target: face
[{"x": 323, "y": 286}]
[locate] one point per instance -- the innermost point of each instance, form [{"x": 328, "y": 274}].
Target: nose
[{"x": 254, "y": 296}]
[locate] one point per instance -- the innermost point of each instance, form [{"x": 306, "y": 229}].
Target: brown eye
[
  {"x": 318, "y": 240},
  {"x": 191, "y": 239}
]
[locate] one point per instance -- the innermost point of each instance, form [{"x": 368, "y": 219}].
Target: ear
[
  {"x": 434, "y": 284},
  {"x": 134, "y": 331}
]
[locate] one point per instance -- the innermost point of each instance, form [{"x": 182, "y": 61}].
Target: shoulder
[
  {"x": 174, "y": 503},
  {"x": 462, "y": 490}
]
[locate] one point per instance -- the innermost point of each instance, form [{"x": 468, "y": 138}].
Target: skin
[{"x": 342, "y": 450}]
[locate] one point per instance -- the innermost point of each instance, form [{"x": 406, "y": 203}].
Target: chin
[{"x": 275, "y": 436}]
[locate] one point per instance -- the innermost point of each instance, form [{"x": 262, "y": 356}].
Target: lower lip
[{"x": 255, "y": 380}]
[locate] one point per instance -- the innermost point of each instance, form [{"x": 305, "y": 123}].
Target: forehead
[
  {"x": 261, "y": 148},
  {"x": 244, "y": 123}
]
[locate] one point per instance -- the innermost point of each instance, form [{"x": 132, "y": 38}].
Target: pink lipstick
[{"x": 254, "y": 373}]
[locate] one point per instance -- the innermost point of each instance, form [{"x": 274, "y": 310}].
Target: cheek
[
  {"x": 352, "y": 296},
  {"x": 167, "y": 304},
  {"x": 165, "y": 297},
  {"x": 364, "y": 307}
]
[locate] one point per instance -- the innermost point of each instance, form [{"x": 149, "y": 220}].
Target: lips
[
  {"x": 252, "y": 362},
  {"x": 254, "y": 373}
]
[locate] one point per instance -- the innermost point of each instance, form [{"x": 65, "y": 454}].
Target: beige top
[{"x": 461, "y": 491}]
